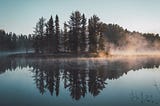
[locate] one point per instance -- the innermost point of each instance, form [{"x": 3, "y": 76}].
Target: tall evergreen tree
[
  {"x": 83, "y": 34},
  {"x": 65, "y": 38},
  {"x": 74, "y": 33},
  {"x": 101, "y": 40},
  {"x": 39, "y": 36},
  {"x": 93, "y": 33},
  {"x": 61, "y": 41},
  {"x": 57, "y": 34},
  {"x": 50, "y": 33}
]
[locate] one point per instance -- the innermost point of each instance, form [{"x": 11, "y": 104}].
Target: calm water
[{"x": 129, "y": 81}]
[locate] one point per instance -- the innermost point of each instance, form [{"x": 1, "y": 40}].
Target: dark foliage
[
  {"x": 78, "y": 37},
  {"x": 12, "y": 42}
]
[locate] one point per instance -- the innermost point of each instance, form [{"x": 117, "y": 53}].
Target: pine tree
[
  {"x": 74, "y": 25},
  {"x": 83, "y": 34},
  {"x": 39, "y": 36},
  {"x": 101, "y": 40},
  {"x": 61, "y": 41},
  {"x": 50, "y": 33},
  {"x": 93, "y": 33},
  {"x": 57, "y": 35},
  {"x": 65, "y": 38}
]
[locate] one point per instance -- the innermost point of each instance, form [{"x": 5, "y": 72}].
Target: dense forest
[
  {"x": 79, "y": 36},
  {"x": 12, "y": 42}
]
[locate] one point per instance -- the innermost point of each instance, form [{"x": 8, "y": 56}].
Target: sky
[{"x": 21, "y": 16}]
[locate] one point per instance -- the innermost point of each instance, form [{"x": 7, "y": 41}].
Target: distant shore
[
  {"x": 73, "y": 55},
  {"x": 58, "y": 55}
]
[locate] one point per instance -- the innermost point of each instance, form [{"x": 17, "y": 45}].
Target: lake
[{"x": 114, "y": 81}]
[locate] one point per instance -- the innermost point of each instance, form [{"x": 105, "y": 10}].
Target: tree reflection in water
[{"x": 78, "y": 76}]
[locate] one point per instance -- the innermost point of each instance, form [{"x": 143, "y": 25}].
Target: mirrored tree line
[
  {"x": 78, "y": 81},
  {"x": 77, "y": 77}
]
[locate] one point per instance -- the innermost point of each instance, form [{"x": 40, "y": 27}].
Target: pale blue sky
[{"x": 20, "y": 16}]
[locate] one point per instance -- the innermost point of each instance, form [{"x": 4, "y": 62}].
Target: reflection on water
[{"x": 82, "y": 77}]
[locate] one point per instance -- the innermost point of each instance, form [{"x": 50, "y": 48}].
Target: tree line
[
  {"x": 12, "y": 42},
  {"x": 73, "y": 38},
  {"x": 79, "y": 35}
]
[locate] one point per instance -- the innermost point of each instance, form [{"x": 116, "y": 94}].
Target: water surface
[{"x": 130, "y": 81}]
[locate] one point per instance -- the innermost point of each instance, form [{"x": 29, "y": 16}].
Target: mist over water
[{"x": 134, "y": 44}]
